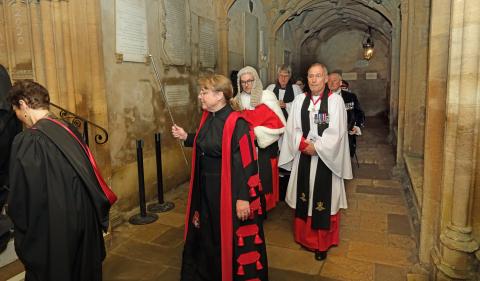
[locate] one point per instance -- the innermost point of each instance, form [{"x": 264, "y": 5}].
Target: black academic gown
[
  {"x": 9, "y": 128},
  {"x": 56, "y": 206},
  {"x": 355, "y": 117},
  {"x": 202, "y": 256}
]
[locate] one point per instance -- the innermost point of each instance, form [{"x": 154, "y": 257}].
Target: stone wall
[
  {"x": 241, "y": 22},
  {"x": 136, "y": 105}
]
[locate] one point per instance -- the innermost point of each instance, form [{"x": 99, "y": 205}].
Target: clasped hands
[{"x": 310, "y": 148}]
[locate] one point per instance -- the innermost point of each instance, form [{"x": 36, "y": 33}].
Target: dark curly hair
[{"x": 34, "y": 94}]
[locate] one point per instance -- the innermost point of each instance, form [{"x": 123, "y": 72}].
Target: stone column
[
  {"x": 37, "y": 47},
  {"x": 416, "y": 77},
  {"x": 48, "y": 58},
  {"x": 402, "y": 80},
  {"x": 456, "y": 258},
  {"x": 434, "y": 128},
  {"x": 272, "y": 56},
  {"x": 394, "y": 78}
]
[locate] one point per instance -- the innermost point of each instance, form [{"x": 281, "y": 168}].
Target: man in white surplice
[{"x": 315, "y": 149}]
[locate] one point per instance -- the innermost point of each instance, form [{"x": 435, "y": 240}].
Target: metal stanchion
[
  {"x": 143, "y": 217},
  {"x": 161, "y": 206}
]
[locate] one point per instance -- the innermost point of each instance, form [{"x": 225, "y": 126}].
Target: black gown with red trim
[
  {"x": 57, "y": 206},
  {"x": 218, "y": 246}
]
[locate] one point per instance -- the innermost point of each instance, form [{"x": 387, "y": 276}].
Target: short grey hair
[
  {"x": 337, "y": 73},
  {"x": 325, "y": 70},
  {"x": 286, "y": 68}
]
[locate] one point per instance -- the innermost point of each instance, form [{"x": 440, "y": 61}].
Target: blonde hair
[{"x": 217, "y": 82}]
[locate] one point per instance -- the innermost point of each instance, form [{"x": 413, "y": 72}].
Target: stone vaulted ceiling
[{"x": 322, "y": 19}]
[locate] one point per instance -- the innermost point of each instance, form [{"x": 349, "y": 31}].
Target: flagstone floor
[{"x": 377, "y": 240}]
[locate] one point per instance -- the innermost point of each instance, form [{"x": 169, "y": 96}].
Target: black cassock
[
  {"x": 9, "y": 128},
  {"x": 355, "y": 117},
  {"x": 204, "y": 248},
  {"x": 57, "y": 206}
]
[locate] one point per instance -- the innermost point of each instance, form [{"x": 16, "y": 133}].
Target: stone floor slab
[
  {"x": 378, "y": 190},
  {"x": 393, "y": 200},
  {"x": 120, "y": 268},
  {"x": 390, "y": 273},
  {"x": 346, "y": 269},
  {"x": 276, "y": 274},
  {"x": 374, "y": 253},
  {"x": 145, "y": 252},
  {"x": 401, "y": 241},
  {"x": 301, "y": 261},
  {"x": 373, "y": 221},
  {"x": 171, "y": 238},
  {"x": 382, "y": 208},
  {"x": 388, "y": 183},
  {"x": 399, "y": 224},
  {"x": 172, "y": 219},
  {"x": 148, "y": 232},
  {"x": 371, "y": 171},
  {"x": 169, "y": 274},
  {"x": 362, "y": 235}
]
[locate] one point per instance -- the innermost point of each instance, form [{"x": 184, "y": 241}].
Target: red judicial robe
[{"x": 267, "y": 126}]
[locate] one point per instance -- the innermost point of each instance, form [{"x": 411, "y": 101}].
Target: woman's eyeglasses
[{"x": 247, "y": 82}]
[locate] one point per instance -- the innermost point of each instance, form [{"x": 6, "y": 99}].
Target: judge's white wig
[{"x": 257, "y": 89}]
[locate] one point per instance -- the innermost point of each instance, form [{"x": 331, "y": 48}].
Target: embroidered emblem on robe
[
  {"x": 303, "y": 197},
  {"x": 196, "y": 219},
  {"x": 320, "y": 206}
]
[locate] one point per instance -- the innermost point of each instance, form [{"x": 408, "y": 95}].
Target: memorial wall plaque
[
  {"x": 177, "y": 95},
  {"x": 371, "y": 75},
  {"x": 207, "y": 42},
  {"x": 349, "y": 76},
  {"x": 250, "y": 39},
  {"x": 131, "y": 30},
  {"x": 176, "y": 32}
]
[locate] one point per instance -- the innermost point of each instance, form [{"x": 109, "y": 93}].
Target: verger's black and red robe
[
  {"x": 218, "y": 246},
  {"x": 57, "y": 205}
]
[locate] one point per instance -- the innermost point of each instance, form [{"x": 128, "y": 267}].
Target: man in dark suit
[{"x": 355, "y": 114}]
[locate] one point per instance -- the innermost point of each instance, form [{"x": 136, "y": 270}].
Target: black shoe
[{"x": 320, "y": 255}]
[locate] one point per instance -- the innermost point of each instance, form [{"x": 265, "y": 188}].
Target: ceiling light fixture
[{"x": 368, "y": 45}]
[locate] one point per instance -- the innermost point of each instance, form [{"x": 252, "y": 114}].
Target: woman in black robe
[
  {"x": 224, "y": 238},
  {"x": 56, "y": 200}
]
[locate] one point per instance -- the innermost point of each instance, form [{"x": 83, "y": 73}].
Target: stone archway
[{"x": 314, "y": 23}]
